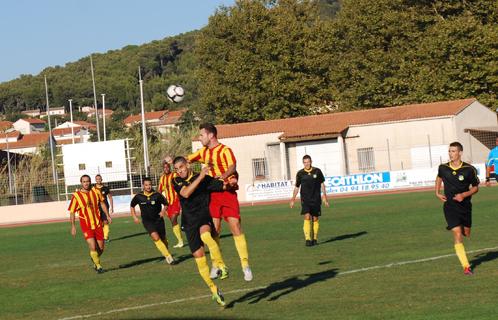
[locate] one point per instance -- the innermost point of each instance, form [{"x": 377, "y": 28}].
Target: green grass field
[{"x": 46, "y": 274}]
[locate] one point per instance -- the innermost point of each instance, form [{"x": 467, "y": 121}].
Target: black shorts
[
  {"x": 155, "y": 226},
  {"x": 194, "y": 236},
  {"x": 457, "y": 214},
  {"x": 313, "y": 209}
]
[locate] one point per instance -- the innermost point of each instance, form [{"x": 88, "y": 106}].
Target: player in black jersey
[
  {"x": 460, "y": 182},
  {"x": 108, "y": 201},
  {"x": 152, "y": 209},
  {"x": 194, "y": 190},
  {"x": 310, "y": 181}
]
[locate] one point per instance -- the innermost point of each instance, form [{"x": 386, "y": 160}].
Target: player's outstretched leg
[
  {"x": 215, "y": 253},
  {"x": 203, "y": 268}
]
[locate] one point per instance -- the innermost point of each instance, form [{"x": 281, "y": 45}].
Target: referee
[
  {"x": 460, "y": 182},
  {"x": 152, "y": 209},
  {"x": 311, "y": 182},
  {"x": 194, "y": 190}
]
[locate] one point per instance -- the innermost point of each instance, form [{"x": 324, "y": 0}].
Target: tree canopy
[{"x": 269, "y": 59}]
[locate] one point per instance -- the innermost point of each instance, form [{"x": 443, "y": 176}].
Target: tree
[{"x": 263, "y": 60}]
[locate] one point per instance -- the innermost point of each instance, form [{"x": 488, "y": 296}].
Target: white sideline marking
[{"x": 393, "y": 264}]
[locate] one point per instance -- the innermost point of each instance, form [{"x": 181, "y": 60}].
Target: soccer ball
[{"x": 175, "y": 93}]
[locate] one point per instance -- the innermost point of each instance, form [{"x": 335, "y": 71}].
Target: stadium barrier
[{"x": 357, "y": 183}]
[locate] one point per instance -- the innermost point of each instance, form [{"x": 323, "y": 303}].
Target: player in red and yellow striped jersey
[
  {"x": 223, "y": 165},
  {"x": 166, "y": 188},
  {"x": 86, "y": 202}
]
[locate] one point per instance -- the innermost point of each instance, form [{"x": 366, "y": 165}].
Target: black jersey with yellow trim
[
  {"x": 457, "y": 180},
  {"x": 310, "y": 182},
  {"x": 150, "y": 204},
  {"x": 195, "y": 208}
]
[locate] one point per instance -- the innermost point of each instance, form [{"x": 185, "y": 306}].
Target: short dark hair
[
  {"x": 146, "y": 179},
  {"x": 457, "y": 144},
  {"x": 98, "y": 175},
  {"x": 209, "y": 127},
  {"x": 179, "y": 159},
  {"x": 306, "y": 157},
  {"x": 87, "y": 176}
]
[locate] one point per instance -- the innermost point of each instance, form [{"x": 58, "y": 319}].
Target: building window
[
  {"x": 108, "y": 164},
  {"x": 82, "y": 166},
  {"x": 259, "y": 169},
  {"x": 366, "y": 159}
]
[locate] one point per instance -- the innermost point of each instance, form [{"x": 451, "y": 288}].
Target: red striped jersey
[
  {"x": 166, "y": 187},
  {"x": 86, "y": 204},
  {"x": 218, "y": 158}
]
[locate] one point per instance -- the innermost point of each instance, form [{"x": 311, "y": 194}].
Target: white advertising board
[{"x": 106, "y": 157}]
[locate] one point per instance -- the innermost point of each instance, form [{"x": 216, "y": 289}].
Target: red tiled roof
[
  {"x": 68, "y": 141},
  {"x": 28, "y": 141},
  {"x": 335, "y": 123},
  {"x": 34, "y": 120},
  {"x": 173, "y": 117},
  {"x": 86, "y": 124},
  {"x": 64, "y": 131},
  {"x": 5, "y": 125},
  {"x": 11, "y": 134},
  {"x": 155, "y": 115}
]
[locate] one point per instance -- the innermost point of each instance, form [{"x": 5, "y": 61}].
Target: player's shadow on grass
[
  {"x": 135, "y": 263},
  {"x": 129, "y": 236},
  {"x": 483, "y": 257},
  {"x": 279, "y": 289},
  {"x": 345, "y": 236}
]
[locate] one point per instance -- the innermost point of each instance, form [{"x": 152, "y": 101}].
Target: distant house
[
  {"x": 32, "y": 113},
  {"x": 163, "y": 120},
  {"x": 54, "y": 112},
  {"x": 87, "y": 125},
  {"x": 91, "y": 114},
  {"x": 68, "y": 130},
  {"x": 29, "y": 125}
]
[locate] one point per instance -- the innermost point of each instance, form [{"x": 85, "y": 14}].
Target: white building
[
  {"x": 29, "y": 125},
  {"x": 382, "y": 139}
]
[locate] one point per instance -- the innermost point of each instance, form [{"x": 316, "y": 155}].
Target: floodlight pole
[
  {"x": 71, "y": 114},
  {"x": 95, "y": 100},
  {"x": 144, "y": 129},
  {"x": 50, "y": 133},
  {"x": 8, "y": 162},
  {"x": 103, "y": 114}
]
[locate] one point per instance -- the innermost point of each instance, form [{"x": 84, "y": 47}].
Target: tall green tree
[{"x": 263, "y": 60}]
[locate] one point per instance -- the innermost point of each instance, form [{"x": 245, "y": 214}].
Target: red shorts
[
  {"x": 224, "y": 205},
  {"x": 174, "y": 208},
  {"x": 88, "y": 233}
]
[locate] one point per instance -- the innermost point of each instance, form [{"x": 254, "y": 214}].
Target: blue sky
[{"x": 36, "y": 34}]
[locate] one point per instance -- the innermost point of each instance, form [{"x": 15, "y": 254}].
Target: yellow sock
[
  {"x": 241, "y": 245},
  {"x": 462, "y": 256},
  {"x": 95, "y": 258},
  {"x": 217, "y": 239},
  {"x": 178, "y": 233},
  {"x": 204, "y": 272},
  {"x": 316, "y": 226},
  {"x": 214, "y": 250},
  {"x": 307, "y": 229},
  {"x": 106, "y": 231},
  {"x": 162, "y": 248}
]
